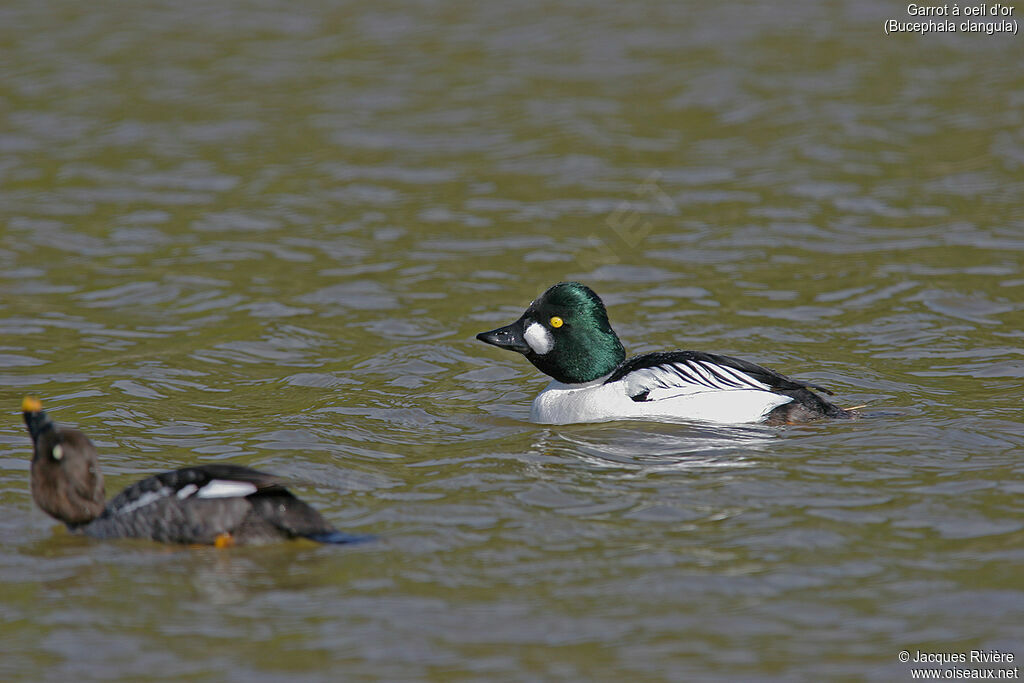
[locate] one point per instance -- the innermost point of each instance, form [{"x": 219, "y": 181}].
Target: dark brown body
[{"x": 210, "y": 504}]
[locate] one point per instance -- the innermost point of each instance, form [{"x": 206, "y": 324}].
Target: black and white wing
[
  {"x": 660, "y": 376},
  {"x": 206, "y": 481},
  {"x": 198, "y": 504}
]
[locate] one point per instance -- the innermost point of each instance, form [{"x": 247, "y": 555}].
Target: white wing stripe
[
  {"x": 699, "y": 373},
  {"x": 741, "y": 377},
  {"x": 661, "y": 371},
  {"x": 145, "y": 499},
  {"x": 688, "y": 377},
  {"x": 725, "y": 376},
  {"x": 715, "y": 378},
  {"x": 187, "y": 490},
  {"x": 226, "y": 488},
  {"x": 709, "y": 377},
  {"x": 688, "y": 374}
]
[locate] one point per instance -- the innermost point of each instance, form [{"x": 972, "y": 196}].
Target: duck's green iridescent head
[{"x": 565, "y": 333}]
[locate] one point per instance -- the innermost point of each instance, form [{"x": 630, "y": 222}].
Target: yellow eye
[{"x": 556, "y": 321}]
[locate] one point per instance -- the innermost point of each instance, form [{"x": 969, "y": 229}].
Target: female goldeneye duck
[
  {"x": 219, "y": 505},
  {"x": 565, "y": 333}
]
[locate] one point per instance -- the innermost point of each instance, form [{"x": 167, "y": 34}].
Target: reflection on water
[
  {"x": 652, "y": 447},
  {"x": 248, "y": 234}
]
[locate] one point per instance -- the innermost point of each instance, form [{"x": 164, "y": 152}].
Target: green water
[{"x": 266, "y": 233}]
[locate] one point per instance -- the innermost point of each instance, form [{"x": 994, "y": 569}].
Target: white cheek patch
[
  {"x": 539, "y": 339},
  {"x": 57, "y": 452}
]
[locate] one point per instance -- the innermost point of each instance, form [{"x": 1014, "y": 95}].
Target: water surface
[{"x": 266, "y": 234}]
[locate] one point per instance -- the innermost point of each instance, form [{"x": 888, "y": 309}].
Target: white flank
[
  {"x": 595, "y": 402},
  {"x": 226, "y": 488},
  {"x": 539, "y": 339}
]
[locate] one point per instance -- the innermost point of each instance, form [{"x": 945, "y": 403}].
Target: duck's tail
[{"x": 807, "y": 406}]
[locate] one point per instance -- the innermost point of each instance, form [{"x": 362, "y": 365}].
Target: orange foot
[{"x": 224, "y": 540}]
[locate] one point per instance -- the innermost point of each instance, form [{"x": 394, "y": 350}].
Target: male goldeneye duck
[
  {"x": 219, "y": 505},
  {"x": 565, "y": 333}
]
